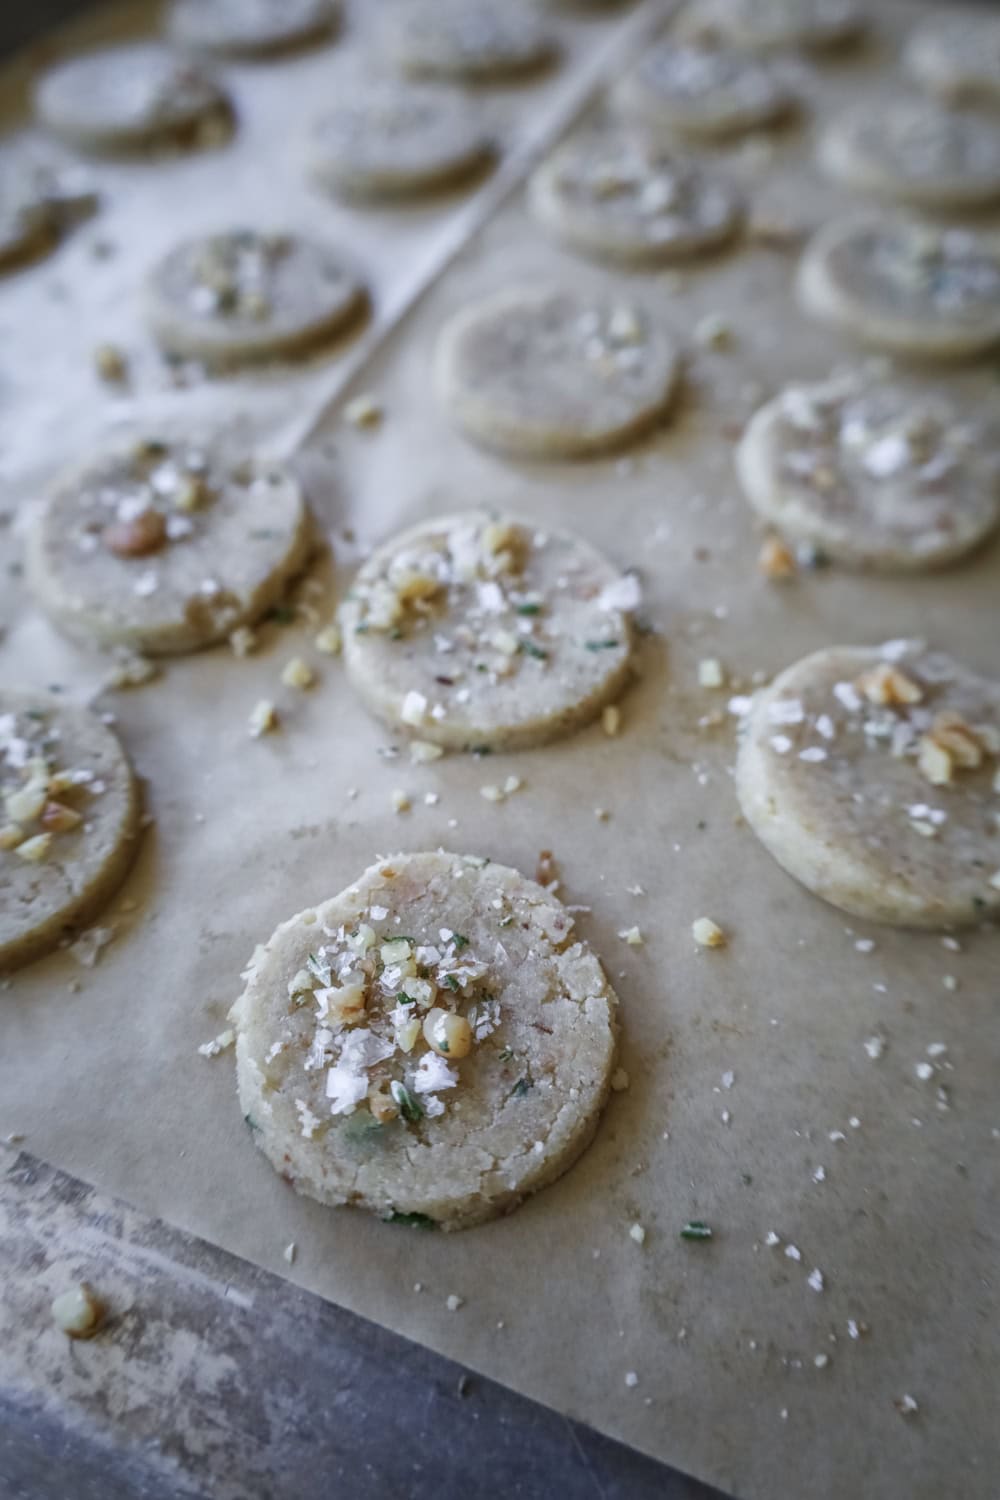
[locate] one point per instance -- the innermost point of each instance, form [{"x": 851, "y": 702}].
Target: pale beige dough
[
  {"x": 166, "y": 545},
  {"x": 618, "y": 199},
  {"x": 914, "y": 152},
  {"x": 251, "y": 28},
  {"x": 391, "y": 139},
  {"x": 871, "y": 475},
  {"x": 903, "y": 287},
  {"x": 323, "y": 1035},
  {"x": 479, "y": 632},
  {"x": 773, "y": 25},
  {"x": 67, "y": 796},
  {"x": 475, "y": 41},
  {"x": 246, "y": 295},
  {"x": 541, "y": 372},
  {"x": 128, "y": 97},
  {"x": 957, "y": 56},
  {"x": 702, "y": 91},
  {"x": 844, "y": 789}
]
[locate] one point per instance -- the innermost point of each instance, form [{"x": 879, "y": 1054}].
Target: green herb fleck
[
  {"x": 452, "y": 982},
  {"x": 459, "y": 941},
  {"x": 696, "y": 1229},
  {"x": 415, "y": 1221},
  {"x": 506, "y": 1054},
  {"x": 405, "y": 999},
  {"x": 505, "y": 921},
  {"x": 361, "y": 629},
  {"x": 282, "y": 614},
  {"x": 529, "y": 648},
  {"x": 521, "y": 1087},
  {"x": 601, "y": 645},
  {"x": 395, "y": 634},
  {"x": 410, "y": 1108},
  {"x": 249, "y": 1120},
  {"x": 529, "y": 609},
  {"x": 318, "y": 969}
]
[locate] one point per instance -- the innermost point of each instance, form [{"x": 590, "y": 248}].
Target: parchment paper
[{"x": 99, "y": 1069}]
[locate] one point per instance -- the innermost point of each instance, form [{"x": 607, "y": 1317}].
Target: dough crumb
[
  {"x": 263, "y": 719},
  {"x": 77, "y": 1312},
  {"x": 708, "y": 934},
  {"x": 363, "y": 411}
]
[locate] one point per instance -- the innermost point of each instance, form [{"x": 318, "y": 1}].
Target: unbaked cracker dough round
[
  {"x": 904, "y": 287},
  {"x": 912, "y": 151},
  {"x": 474, "y": 631},
  {"x": 128, "y": 97},
  {"x": 69, "y": 822},
  {"x": 472, "y": 40},
  {"x": 619, "y": 200},
  {"x": 702, "y": 91},
  {"x": 246, "y": 295},
  {"x": 251, "y": 28},
  {"x": 338, "y": 1083},
  {"x": 773, "y": 25},
  {"x": 871, "y": 776},
  {"x": 540, "y": 372},
  {"x": 957, "y": 57},
  {"x": 871, "y": 475},
  {"x": 166, "y": 545},
  {"x": 388, "y": 140}
]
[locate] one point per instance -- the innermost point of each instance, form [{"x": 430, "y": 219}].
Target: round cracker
[
  {"x": 910, "y": 151},
  {"x": 233, "y": 533},
  {"x": 904, "y": 287},
  {"x": 251, "y": 28},
  {"x": 128, "y": 97},
  {"x": 389, "y": 140},
  {"x": 870, "y": 475},
  {"x": 243, "y": 296},
  {"x": 855, "y": 791},
  {"x": 708, "y": 92},
  {"x": 69, "y": 822},
  {"x": 474, "y": 631},
  {"x": 619, "y": 200},
  {"x": 462, "y": 1140},
  {"x": 542, "y": 372},
  {"x": 475, "y": 41}
]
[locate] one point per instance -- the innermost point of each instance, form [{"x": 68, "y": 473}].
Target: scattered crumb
[
  {"x": 632, "y": 936},
  {"x": 924, "y": 1070},
  {"x": 131, "y": 670},
  {"x": 218, "y": 1044},
  {"x": 638, "y": 1234},
  {"x": 290, "y": 1252},
  {"x": 708, "y": 934},
  {"x": 90, "y": 945},
  {"x": 264, "y": 719},
  {"x": 363, "y": 411},
  {"x": 631, "y": 1379},
  {"x": 793, "y": 1252},
  {"x": 906, "y": 1406},
  {"x": 775, "y": 561},
  {"x": 771, "y": 1239},
  {"x": 815, "y": 1279},
  {"x": 875, "y": 1046},
  {"x": 329, "y": 640},
  {"x": 821, "y": 1361},
  {"x": 111, "y": 364},
  {"x": 243, "y": 641},
  {"x": 713, "y": 332},
  {"x": 422, "y": 752},
  {"x": 297, "y": 673},
  {"x": 711, "y": 673},
  {"x": 453, "y": 1303},
  {"x": 78, "y": 1312},
  {"x": 399, "y": 800},
  {"x": 611, "y": 720}
]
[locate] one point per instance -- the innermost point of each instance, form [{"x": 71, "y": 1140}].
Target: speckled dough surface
[
  {"x": 873, "y": 476},
  {"x": 386, "y": 140},
  {"x": 247, "y": 295},
  {"x": 432, "y": 1042},
  {"x": 911, "y": 151},
  {"x": 250, "y": 28},
  {"x": 127, "y": 97},
  {"x": 537, "y": 372},
  {"x": 904, "y": 287},
  {"x": 618, "y": 200},
  {"x": 772, "y": 25},
  {"x": 474, "y": 631},
  {"x": 957, "y": 57},
  {"x": 166, "y": 545},
  {"x": 474, "y": 40},
  {"x": 871, "y": 775},
  {"x": 69, "y": 820},
  {"x": 702, "y": 91}
]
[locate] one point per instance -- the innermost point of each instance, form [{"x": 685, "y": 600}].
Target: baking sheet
[{"x": 99, "y": 1069}]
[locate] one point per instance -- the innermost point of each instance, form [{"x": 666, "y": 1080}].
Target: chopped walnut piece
[
  {"x": 952, "y": 733},
  {"x": 775, "y": 560},
  {"x": 934, "y": 761},
  {"x": 58, "y": 818},
  {"x": 144, "y": 534},
  {"x": 885, "y": 685},
  {"x": 383, "y": 1107}
]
